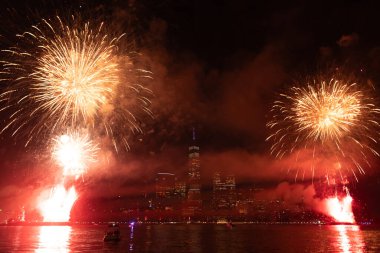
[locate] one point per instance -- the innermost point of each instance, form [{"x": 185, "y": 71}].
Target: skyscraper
[
  {"x": 164, "y": 185},
  {"x": 218, "y": 191},
  {"x": 179, "y": 189},
  {"x": 230, "y": 186},
  {"x": 194, "y": 176},
  {"x": 164, "y": 190}
]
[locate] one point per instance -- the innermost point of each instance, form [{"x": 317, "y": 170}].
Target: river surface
[{"x": 193, "y": 238}]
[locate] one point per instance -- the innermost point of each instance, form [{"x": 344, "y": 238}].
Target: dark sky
[{"x": 217, "y": 66}]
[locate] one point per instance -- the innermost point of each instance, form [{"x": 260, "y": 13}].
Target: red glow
[
  {"x": 73, "y": 152},
  {"x": 59, "y": 203},
  {"x": 341, "y": 209}
]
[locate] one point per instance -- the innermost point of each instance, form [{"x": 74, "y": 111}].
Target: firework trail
[
  {"x": 73, "y": 74},
  {"x": 330, "y": 120},
  {"x": 340, "y": 209}
]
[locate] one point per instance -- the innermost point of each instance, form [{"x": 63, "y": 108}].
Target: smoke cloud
[{"x": 294, "y": 195}]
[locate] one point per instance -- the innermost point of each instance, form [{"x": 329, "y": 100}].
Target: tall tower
[{"x": 194, "y": 177}]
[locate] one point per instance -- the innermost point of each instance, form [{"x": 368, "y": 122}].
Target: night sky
[{"x": 217, "y": 67}]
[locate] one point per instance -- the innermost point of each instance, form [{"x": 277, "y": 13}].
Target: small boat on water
[
  {"x": 113, "y": 233},
  {"x": 230, "y": 225}
]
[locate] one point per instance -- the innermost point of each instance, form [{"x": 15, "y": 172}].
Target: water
[{"x": 192, "y": 238}]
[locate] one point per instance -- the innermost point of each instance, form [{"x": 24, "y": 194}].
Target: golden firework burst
[{"x": 333, "y": 118}]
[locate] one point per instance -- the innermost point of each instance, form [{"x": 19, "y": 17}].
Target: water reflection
[
  {"x": 350, "y": 239},
  {"x": 148, "y": 238},
  {"x": 131, "y": 225},
  {"x": 53, "y": 239}
]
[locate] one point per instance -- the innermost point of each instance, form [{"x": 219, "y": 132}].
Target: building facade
[
  {"x": 224, "y": 191},
  {"x": 165, "y": 185}
]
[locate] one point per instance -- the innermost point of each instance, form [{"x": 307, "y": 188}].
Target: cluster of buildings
[
  {"x": 182, "y": 198},
  {"x": 186, "y": 194}
]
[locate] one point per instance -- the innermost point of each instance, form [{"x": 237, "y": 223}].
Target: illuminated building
[
  {"x": 179, "y": 189},
  {"x": 194, "y": 177},
  {"x": 164, "y": 185},
  {"x": 230, "y": 186},
  {"x": 224, "y": 192},
  {"x": 244, "y": 200},
  {"x": 164, "y": 189}
]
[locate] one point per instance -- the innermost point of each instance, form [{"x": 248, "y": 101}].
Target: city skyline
[
  {"x": 189, "y": 126},
  {"x": 215, "y": 68}
]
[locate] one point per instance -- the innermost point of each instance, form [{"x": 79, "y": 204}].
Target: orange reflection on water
[
  {"x": 350, "y": 239},
  {"x": 53, "y": 239}
]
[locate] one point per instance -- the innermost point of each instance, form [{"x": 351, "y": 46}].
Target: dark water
[{"x": 193, "y": 238}]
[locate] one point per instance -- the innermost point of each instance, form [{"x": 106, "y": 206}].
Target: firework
[
  {"x": 340, "y": 209},
  {"x": 331, "y": 120},
  {"x": 74, "y": 152},
  {"x": 57, "y": 206},
  {"x": 71, "y": 74}
]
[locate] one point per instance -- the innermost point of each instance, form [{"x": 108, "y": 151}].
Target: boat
[
  {"x": 230, "y": 225},
  {"x": 113, "y": 233}
]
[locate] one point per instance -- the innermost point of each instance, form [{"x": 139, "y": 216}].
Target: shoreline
[{"x": 69, "y": 223}]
